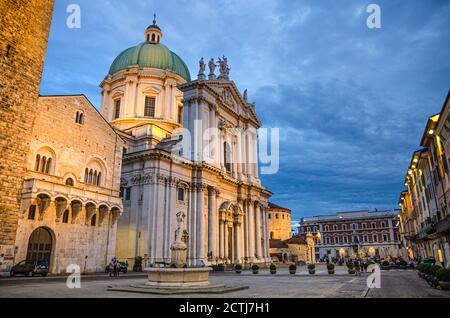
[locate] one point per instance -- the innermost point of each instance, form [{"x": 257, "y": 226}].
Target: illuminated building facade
[
  {"x": 354, "y": 234},
  {"x": 425, "y": 221}
]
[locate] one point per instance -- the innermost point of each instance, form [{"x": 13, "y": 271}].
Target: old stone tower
[{"x": 24, "y": 29}]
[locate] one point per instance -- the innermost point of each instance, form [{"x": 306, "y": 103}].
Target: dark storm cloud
[{"x": 351, "y": 102}]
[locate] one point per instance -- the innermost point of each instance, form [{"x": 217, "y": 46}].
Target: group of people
[{"x": 114, "y": 267}]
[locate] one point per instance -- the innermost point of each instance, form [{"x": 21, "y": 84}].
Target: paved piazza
[{"x": 394, "y": 283}]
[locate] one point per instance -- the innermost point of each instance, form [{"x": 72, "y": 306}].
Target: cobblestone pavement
[
  {"x": 394, "y": 284},
  {"x": 405, "y": 284}
]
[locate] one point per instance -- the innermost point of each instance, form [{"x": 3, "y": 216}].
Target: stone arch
[
  {"x": 61, "y": 204},
  {"x": 76, "y": 206},
  {"x": 41, "y": 245},
  {"x": 95, "y": 171},
  {"x": 45, "y": 160}
]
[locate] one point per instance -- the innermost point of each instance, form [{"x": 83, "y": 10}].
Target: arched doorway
[{"x": 40, "y": 245}]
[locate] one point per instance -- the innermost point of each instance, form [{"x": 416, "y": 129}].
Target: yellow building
[{"x": 280, "y": 227}]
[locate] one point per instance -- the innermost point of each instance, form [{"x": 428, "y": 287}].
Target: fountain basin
[{"x": 178, "y": 277}]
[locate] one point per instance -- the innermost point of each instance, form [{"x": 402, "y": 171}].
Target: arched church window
[
  {"x": 116, "y": 108},
  {"x": 48, "y": 165},
  {"x": 38, "y": 161},
  {"x": 45, "y": 160},
  {"x": 271, "y": 235},
  {"x": 148, "y": 37},
  {"x": 153, "y": 37},
  {"x": 94, "y": 172},
  {"x": 149, "y": 110},
  {"x": 43, "y": 164},
  {"x": 66, "y": 217},
  {"x": 70, "y": 182},
  {"x": 79, "y": 118}
]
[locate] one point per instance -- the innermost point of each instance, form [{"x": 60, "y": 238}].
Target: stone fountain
[
  {"x": 178, "y": 274},
  {"x": 178, "y": 278}
]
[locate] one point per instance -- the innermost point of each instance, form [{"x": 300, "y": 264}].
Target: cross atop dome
[{"x": 153, "y": 34}]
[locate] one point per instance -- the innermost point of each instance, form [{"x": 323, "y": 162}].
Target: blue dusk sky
[{"x": 351, "y": 102}]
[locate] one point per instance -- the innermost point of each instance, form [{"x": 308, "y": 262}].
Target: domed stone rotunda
[{"x": 141, "y": 88}]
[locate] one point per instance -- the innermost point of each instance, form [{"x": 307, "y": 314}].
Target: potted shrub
[
  {"x": 386, "y": 265},
  {"x": 137, "y": 267},
  {"x": 292, "y": 269},
  {"x": 426, "y": 270},
  {"x": 312, "y": 269},
  {"x": 351, "y": 268},
  {"x": 238, "y": 268},
  {"x": 420, "y": 270},
  {"x": 403, "y": 265},
  {"x": 443, "y": 276},
  {"x": 433, "y": 270},
  {"x": 330, "y": 268},
  {"x": 273, "y": 269},
  {"x": 255, "y": 269}
]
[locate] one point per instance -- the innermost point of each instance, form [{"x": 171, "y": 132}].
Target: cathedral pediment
[{"x": 228, "y": 95}]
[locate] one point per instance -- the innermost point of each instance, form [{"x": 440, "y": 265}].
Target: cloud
[{"x": 352, "y": 102}]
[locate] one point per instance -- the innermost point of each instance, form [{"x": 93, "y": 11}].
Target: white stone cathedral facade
[{"x": 191, "y": 149}]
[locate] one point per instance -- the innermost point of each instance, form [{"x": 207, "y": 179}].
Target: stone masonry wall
[{"x": 24, "y": 29}]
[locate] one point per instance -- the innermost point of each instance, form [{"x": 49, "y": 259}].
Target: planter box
[
  {"x": 238, "y": 271},
  {"x": 331, "y": 272},
  {"x": 273, "y": 272},
  {"x": 312, "y": 272},
  {"x": 292, "y": 272},
  {"x": 255, "y": 272}
]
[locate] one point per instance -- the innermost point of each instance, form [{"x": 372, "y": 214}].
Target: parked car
[
  {"x": 428, "y": 260},
  {"x": 30, "y": 268}
]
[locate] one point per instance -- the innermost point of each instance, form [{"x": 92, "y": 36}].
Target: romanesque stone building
[
  {"x": 70, "y": 198},
  {"x": 24, "y": 28},
  {"x": 280, "y": 227},
  {"x": 212, "y": 185}
]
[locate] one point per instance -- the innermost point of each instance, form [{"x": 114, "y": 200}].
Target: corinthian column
[
  {"x": 200, "y": 233},
  {"x": 221, "y": 238},
  {"x": 258, "y": 232},
  {"x": 251, "y": 230},
  {"x": 212, "y": 222}
]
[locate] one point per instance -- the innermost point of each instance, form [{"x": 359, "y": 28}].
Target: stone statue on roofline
[
  {"x": 201, "y": 72},
  {"x": 212, "y": 68},
  {"x": 223, "y": 68}
]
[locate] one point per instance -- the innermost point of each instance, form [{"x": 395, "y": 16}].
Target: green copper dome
[{"x": 150, "y": 55}]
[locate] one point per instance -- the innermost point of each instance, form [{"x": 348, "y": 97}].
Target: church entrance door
[{"x": 40, "y": 245}]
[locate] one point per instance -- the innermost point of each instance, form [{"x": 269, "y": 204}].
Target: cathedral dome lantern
[{"x": 153, "y": 34}]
